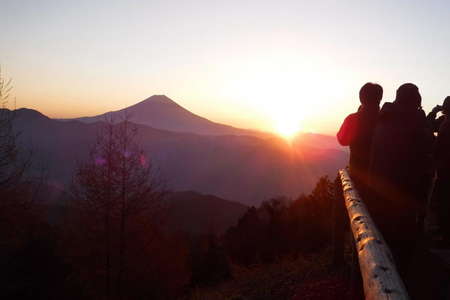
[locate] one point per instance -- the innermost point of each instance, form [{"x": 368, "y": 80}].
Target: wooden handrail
[{"x": 380, "y": 277}]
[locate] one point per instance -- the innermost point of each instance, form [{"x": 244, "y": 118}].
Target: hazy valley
[{"x": 190, "y": 153}]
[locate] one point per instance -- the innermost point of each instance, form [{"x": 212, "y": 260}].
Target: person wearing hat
[
  {"x": 441, "y": 155},
  {"x": 401, "y": 172}
]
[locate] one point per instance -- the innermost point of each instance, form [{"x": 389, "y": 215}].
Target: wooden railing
[{"x": 379, "y": 274}]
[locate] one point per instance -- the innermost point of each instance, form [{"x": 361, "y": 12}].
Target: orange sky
[{"x": 258, "y": 64}]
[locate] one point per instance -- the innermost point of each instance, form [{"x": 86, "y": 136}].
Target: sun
[
  {"x": 280, "y": 95},
  {"x": 287, "y": 119},
  {"x": 287, "y": 127}
]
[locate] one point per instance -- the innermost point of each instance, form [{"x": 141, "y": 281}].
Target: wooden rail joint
[{"x": 380, "y": 277}]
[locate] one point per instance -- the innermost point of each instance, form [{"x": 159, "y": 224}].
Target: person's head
[
  {"x": 408, "y": 96},
  {"x": 370, "y": 94},
  {"x": 446, "y": 106}
]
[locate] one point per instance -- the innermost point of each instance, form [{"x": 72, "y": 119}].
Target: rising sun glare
[
  {"x": 282, "y": 97},
  {"x": 286, "y": 120},
  {"x": 287, "y": 128}
]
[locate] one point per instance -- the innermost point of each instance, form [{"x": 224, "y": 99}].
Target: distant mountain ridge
[
  {"x": 161, "y": 112},
  {"x": 241, "y": 168},
  {"x": 186, "y": 211},
  {"x": 196, "y": 213}
]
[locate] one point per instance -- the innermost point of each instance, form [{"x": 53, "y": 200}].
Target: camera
[{"x": 438, "y": 108}]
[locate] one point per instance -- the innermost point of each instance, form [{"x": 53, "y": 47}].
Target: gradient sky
[{"x": 246, "y": 63}]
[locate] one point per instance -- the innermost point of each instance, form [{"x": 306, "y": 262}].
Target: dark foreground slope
[{"x": 246, "y": 169}]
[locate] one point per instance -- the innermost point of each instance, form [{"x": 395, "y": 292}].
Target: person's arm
[
  {"x": 347, "y": 132},
  {"x": 431, "y": 118}
]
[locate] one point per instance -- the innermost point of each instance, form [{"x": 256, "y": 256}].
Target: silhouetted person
[
  {"x": 357, "y": 132},
  {"x": 441, "y": 154},
  {"x": 400, "y": 172}
]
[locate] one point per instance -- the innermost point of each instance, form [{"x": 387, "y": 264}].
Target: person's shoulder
[
  {"x": 387, "y": 107},
  {"x": 421, "y": 113},
  {"x": 352, "y": 120},
  {"x": 387, "y": 112},
  {"x": 346, "y": 133},
  {"x": 352, "y": 117}
]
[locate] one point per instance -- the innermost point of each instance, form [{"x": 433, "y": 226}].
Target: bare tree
[
  {"x": 14, "y": 162},
  {"x": 9, "y": 172},
  {"x": 117, "y": 185}
]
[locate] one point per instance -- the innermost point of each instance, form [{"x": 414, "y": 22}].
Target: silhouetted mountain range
[
  {"x": 242, "y": 168},
  {"x": 161, "y": 112},
  {"x": 186, "y": 211},
  {"x": 195, "y": 213}
]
